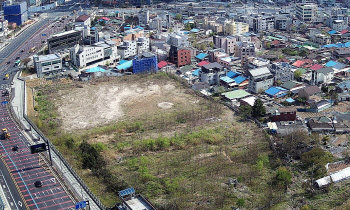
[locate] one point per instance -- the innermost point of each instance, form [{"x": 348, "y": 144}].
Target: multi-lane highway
[
  {"x": 20, "y": 169},
  {"x": 26, "y": 168}
]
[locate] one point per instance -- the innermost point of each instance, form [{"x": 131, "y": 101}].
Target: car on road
[
  {"x": 38, "y": 184},
  {"x": 22, "y": 50},
  {"x": 15, "y": 148},
  {"x": 8, "y": 62},
  {"x": 17, "y": 58}
]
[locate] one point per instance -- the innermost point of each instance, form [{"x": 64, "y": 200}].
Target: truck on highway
[{"x": 5, "y": 134}]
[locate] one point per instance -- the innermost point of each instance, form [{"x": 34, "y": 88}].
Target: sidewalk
[
  {"x": 8, "y": 40},
  {"x": 69, "y": 179}
]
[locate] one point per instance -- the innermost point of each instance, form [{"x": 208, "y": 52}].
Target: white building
[
  {"x": 129, "y": 48},
  {"x": 178, "y": 40},
  {"x": 84, "y": 21},
  {"x": 3, "y": 28},
  {"x": 260, "y": 79},
  {"x": 47, "y": 64},
  {"x": 99, "y": 53},
  {"x": 263, "y": 23},
  {"x": 306, "y": 11},
  {"x": 339, "y": 25}
]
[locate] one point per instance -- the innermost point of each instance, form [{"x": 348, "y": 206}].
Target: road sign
[
  {"x": 38, "y": 148},
  {"x": 80, "y": 205}
]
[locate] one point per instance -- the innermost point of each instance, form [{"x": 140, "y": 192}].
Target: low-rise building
[
  {"x": 46, "y": 65},
  {"x": 146, "y": 62},
  {"x": 101, "y": 52},
  {"x": 63, "y": 40},
  {"x": 210, "y": 73},
  {"x": 180, "y": 56},
  {"x": 282, "y": 72},
  {"x": 129, "y": 48},
  {"x": 260, "y": 79},
  {"x": 244, "y": 49}
]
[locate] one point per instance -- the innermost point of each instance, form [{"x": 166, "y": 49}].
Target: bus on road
[{"x": 18, "y": 62}]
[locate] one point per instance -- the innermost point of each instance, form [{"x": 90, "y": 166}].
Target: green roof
[
  {"x": 186, "y": 68},
  {"x": 235, "y": 94},
  {"x": 288, "y": 85}
]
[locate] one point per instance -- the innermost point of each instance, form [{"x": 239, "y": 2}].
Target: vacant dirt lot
[{"x": 106, "y": 102}]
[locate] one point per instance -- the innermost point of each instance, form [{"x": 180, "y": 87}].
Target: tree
[
  {"x": 283, "y": 176},
  {"x": 316, "y": 156},
  {"x": 211, "y": 44},
  {"x": 178, "y": 16},
  {"x": 25, "y": 61},
  {"x": 297, "y": 74},
  {"x": 305, "y": 207},
  {"x": 245, "y": 112},
  {"x": 203, "y": 46},
  {"x": 258, "y": 109},
  {"x": 188, "y": 27}
]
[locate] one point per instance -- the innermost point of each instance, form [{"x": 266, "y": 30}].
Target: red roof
[
  {"x": 298, "y": 63},
  {"x": 348, "y": 58},
  {"x": 275, "y": 42},
  {"x": 162, "y": 64},
  {"x": 82, "y": 18},
  {"x": 203, "y": 63},
  {"x": 105, "y": 18},
  {"x": 344, "y": 31},
  {"x": 316, "y": 67}
]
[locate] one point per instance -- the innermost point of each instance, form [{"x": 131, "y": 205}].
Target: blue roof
[
  {"x": 125, "y": 65},
  {"x": 122, "y": 61},
  {"x": 240, "y": 79},
  {"x": 339, "y": 66},
  {"x": 247, "y": 34},
  {"x": 332, "y": 32},
  {"x": 93, "y": 28},
  {"x": 232, "y": 74},
  {"x": 194, "y": 30},
  {"x": 127, "y": 191},
  {"x": 290, "y": 100},
  {"x": 347, "y": 44},
  {"x": 331, "y": 63},
  {"x": 186, "y": 21},
  {"x": 201, "y": 56},
  {"x": 95, "y": 69},
  {"x": 186, "y": 32},
  {"x": 227, "y": 79},
  {"x": 196, "y": 72},
  {"x": 272, "y": 91},
  {"x": 345, "y": 84}
]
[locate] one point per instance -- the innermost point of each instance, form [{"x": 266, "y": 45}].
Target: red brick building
[
  {"x": 284, "y": 114},
  {"x": 180, "y": 56}
]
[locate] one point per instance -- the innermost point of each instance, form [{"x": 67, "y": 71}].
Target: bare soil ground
[{"x": 95, "y": 105}]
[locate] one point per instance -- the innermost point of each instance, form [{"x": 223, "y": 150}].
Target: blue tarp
[
  {"x": 290, "y": 100},
  {"x": 125, "y": 65},
  {"x": 240, "y": 79},
  {"x": 201, "y": 56},
  {"x": 95, "y": 69},
  {"x": 332, "y": 32},
  {"x": 194, "y": 30},
  {"x": 331, "y": 63},
  {"x": 196, "y": 72},
  {"x": 232, "y": 74}
]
